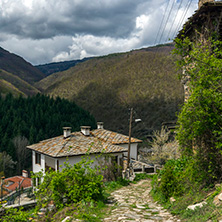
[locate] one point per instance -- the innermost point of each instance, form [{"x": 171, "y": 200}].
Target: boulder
[
  {"x": 193, "y": 207},
  {"x": 172, "y": 199},
  {"x": 218, "y": 199}
]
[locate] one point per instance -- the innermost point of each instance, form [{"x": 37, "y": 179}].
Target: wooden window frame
[{"x": 38, "y": 158}]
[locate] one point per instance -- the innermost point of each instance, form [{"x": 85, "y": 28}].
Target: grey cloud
[
  {"x": 37, "y": 51},
  {"x": 46, "y": 19},
  {"x": 55, "y": 30}
]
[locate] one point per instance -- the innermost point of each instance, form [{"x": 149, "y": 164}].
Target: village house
[
  {"x": 11, "y": 184},
  {"x": 71, "y": 147}
]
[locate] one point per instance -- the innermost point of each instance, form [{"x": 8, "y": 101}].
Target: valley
[{"x": 108, "y": 86}]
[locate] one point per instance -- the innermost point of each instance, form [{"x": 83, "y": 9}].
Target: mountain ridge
[
  {"x": 108, "y": 85},
  {"x": 18, "y": 66},
  {"x": 17, "y": 75}
]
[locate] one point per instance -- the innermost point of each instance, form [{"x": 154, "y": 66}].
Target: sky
[{"x": 44, "y": 31}]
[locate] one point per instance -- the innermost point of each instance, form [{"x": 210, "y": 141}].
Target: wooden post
[
  {"x": 130, "y": 126},
  {"x": 19, "y": 192},
  {"x": 143, "y": 168},
  {"x": 2, "y": 181}
]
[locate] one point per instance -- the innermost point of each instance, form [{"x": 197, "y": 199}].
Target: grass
[
  {"x": 133, "y": 205},
  {"x": 209, "y": 212},
  {"x": 142, "y": 176},
  {"x": 115, "y": 185},
  {"x": 146, "y": 206}
]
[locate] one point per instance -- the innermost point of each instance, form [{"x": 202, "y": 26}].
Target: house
[
  {"x": 15, "y": 183},
  {"x": 71, "y": 147}
]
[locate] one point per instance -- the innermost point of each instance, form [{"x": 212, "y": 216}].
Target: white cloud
[{"x": 53, "y": 30}]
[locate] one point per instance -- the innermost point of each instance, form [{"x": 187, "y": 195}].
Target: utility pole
[
  {"x": 2, "y": 181},
  {"x": 19, "y": 192},
  {"x": 129, "y": 143}
]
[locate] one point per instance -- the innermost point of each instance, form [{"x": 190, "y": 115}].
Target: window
[
  {"x": 38, "y": 158},
  {"x": 57, "y": 165}
]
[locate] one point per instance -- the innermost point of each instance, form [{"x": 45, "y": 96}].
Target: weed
[{"x": 142, "y": 176}]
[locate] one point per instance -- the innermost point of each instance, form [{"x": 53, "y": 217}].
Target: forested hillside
[
  {"x": 50, "y": 68},
  {"x": 18, "y": 66},
  {"x": 17, "y": 75},
  {"x": 107, "y": 86},
  {"x": 10, "y": 83},
  {"x": 32, "y": 119}
]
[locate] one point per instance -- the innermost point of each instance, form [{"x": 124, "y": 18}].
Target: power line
[
  {"x": 161, "y": 24},
  {"x": 182, "y": 17},
  {"x": 167, "y": 20},
  {"x": 174, "y": 20}
]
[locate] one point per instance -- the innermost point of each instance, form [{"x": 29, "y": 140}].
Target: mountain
[
  {"x": 17, "y": 75},
  {"x": 16, "y": 65},
  {"x": 10, "y": 83},
  {"x": 108, "y": 86},
  {"x": 50, "y": 68}
]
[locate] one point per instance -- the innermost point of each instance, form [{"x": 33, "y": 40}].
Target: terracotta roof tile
[{"x": 12, "y": 183}]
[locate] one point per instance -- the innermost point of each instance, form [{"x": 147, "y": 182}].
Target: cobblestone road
[{"x": 133, "y": 203}]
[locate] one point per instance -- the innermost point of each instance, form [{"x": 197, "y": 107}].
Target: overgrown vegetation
[
  {"x": 191, "y": 178},
  {"x": 73, "y": 184},
  {"x": 200, "y": 121},
  {"x": 29, "y": 120},
  {"x": 77, "y": 191}
]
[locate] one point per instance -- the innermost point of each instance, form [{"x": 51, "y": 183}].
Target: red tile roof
[{"x": 12, "y": 183}]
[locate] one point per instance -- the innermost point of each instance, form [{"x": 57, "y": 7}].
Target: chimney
[
  {"x": 85, "y": 130},
  {"x": 99, "y": 125},
  {"x": 201, "y": 2},
  {"x": 66, "y": 132},
  {"x": 25, "y": 173}
]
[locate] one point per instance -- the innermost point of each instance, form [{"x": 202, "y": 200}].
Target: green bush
[
  {"x": 16, "y": 215},
  {"x": 199, "y": 131},
  {"x": 72, "y": 185},
  {"x": 171, "y": 178},
  {"x": 177, "y": 177}
]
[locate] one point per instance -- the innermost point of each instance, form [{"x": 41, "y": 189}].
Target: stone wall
[{"x": 201, "y": 2}]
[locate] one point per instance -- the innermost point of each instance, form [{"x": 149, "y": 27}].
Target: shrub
[
  {"x": 16, "y": 215},
  {"x": 72, "y": 185},
  {"x": 163, "y": 148},
  {"x": 199, "y": 132}
]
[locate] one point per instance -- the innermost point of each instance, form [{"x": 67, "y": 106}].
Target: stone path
[{"x": 133, "y": 203}]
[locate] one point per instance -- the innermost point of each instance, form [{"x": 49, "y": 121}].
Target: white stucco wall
[
  {"x": 133, "y": 150},
  {"x": 36, "y": 167},
  {"x": 75, "y": 159},
  {"x": 51, "y": 162}
]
